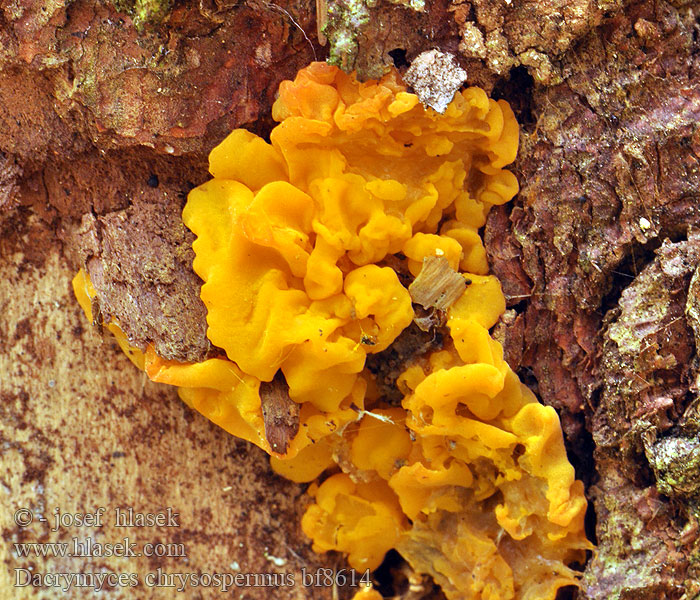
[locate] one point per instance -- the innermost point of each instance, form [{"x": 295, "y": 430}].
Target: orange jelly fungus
[{"x": 468, "y": 478}]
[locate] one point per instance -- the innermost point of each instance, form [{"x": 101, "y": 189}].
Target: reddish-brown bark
[{"x": 595, "y": 255}]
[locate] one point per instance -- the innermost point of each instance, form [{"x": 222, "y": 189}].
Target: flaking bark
[{"x": 608, "y": 98}]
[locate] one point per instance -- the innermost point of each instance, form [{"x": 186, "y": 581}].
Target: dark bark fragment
[
  {"x": 140, "y": 263},
  {"x": 280, "y": 413}
]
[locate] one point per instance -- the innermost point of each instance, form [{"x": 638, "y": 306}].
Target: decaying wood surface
[
  {"x": 108, "y": 113},
  {"x": 82, "y": 429}
]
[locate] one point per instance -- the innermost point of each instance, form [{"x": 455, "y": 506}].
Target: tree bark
[{"x": 108, "y": 116}]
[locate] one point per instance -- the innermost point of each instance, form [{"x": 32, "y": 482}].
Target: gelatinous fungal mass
[{"x": 321, "y": 253}]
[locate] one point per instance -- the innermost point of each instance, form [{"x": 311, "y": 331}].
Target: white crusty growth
[{"x": 435, "y": 78}]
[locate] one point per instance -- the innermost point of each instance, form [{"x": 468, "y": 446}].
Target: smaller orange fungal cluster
[{"x": 310, "y": 248}]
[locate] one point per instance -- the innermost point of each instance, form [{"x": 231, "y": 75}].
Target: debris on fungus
[
  {"x": 468, "y": 478},
  {"x": 280, "y": 413},
  {"x": 435, "y": 77},
  {"x": 437, "y": 286}
]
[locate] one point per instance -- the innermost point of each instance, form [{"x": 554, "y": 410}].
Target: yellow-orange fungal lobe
[{"x": 297, "y": 241}]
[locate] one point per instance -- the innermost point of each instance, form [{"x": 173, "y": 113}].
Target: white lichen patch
[{"x": 435, "y": 78}]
